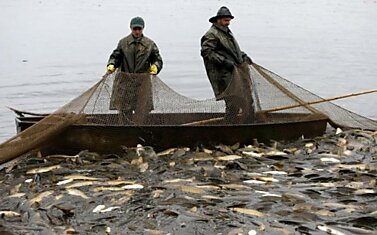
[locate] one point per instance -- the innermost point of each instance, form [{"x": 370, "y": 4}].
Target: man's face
[
  {"x": 137, "y": 32},
  {"x": 224, "y": 21}
]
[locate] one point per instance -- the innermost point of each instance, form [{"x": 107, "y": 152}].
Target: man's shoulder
[
  {"x": 147, "y": 40},
  {"x": 127, "y": 38},
  {"x": 212, "y": 32}
]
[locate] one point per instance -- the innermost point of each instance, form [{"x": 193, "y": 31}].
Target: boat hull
[{"x": 110, "y": 139}]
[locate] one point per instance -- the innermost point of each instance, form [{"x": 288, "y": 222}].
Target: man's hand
[
  {"x": 153, "y": 69},
  {"x": 248, "y": 60},
  {"x": 110, "y": 68}
]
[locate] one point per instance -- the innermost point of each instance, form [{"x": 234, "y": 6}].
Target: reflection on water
[{"x": 51, "y": 51}]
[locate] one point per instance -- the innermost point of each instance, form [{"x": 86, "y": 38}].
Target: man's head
[
  {"x": 223, "y": 21},
  {"x": 137, "y": 26},
  {"x": 223, "y": 17}
]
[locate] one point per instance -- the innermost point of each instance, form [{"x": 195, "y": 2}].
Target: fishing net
[{"x": 142, "y": 100}]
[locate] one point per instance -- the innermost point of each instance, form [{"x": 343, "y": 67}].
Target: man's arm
[
  {"x": 246, "y": 58},
  {"x": 209, "y": 45},
  {"x": 156, "y": 58},
  {"x": 116, "y": 56}
]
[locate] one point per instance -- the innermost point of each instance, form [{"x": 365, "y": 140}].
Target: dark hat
[
  {"x": 137, "y": 22},
  {"x": 222, "y": 12}
]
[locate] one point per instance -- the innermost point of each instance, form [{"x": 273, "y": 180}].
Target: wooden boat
[{"x": 110, "y": 138}]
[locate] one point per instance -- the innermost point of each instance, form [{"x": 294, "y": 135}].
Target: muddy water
[{"x": 51, "y": 51}]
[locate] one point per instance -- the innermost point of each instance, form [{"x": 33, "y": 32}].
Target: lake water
[{"x": 51, "y": 51}]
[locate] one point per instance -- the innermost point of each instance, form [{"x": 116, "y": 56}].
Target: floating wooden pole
[
  {"x": 212, "y": 120},
  {"x": 319, "y": 101}
]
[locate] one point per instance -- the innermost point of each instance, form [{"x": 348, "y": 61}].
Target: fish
[
  {"x": 9, "y": 214},
  {"x": 139, "y": 150},
  {"x": 118, "y": 182},
  {"x": 374, "y": 213},
  {"x": 40, "y": 196},
  {"x": 328, "y": 155},
  {"x": 364, "y": 191},
  {"x": 328, "y": 185},
  {"x": 178, "y": 180},
  {"x": 109, "y": 209},
  {"x": 228, "y": 158},
  {"x": 133, "y": 186},
  {"x": 355, "y": 185},
  {"x": 43, "y": 169},
  {"x": 309, "y": 145},
  {"x": 77, "y": 192},
  {"x": 191, "y": 189},
  {"x": 254, "y": 182},
  {"x": 64, "y": 182},
  {"x": 275, "y": 172},
  {"x": 98, "y": 208},
  {"x": 267, "y": 194},
  {"x": 209, "y": 187},
  {"x": 101, "y": 209},
  {"x": 202, "y": 156},
  {"x": 361, "y": 167},
  {"x": 208, "y": 151},
  {"x": 81, "y": 177},
  {"x": 166, "y": 152},
  {"x": 82, "y": 184},
  {"x": 266, "y": 179},
  {"x": 143, "y": 167},
  {"x": 211, "y": 197},
  {"x": 234, "y": 186},
  {"x": 338, "y": 131},
  {"x": 335, "y": 205},
  {"x": 157, "y": 193},
  {"x": 252, "y": 154},
  {"x": 252, "y": 232},
  {"x": 329, "y": 230},
  {"x": 137, "y": 161},
  {"x": 250, "y": 212},
  {"x": 154, "y": 232},
  {"x": 330, "y": 160},
  {"x": 73, "y": 158},
  {"x": 101, "y": 189},
  {"x": 325, "y": 213},
  {"x": 16, "y": 195},
  {"x": 276, "y": 153}
]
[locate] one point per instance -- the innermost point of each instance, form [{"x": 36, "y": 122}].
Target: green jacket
[
  {"x": 220, "y": 52},
  {"x": 136, "y": 55}
]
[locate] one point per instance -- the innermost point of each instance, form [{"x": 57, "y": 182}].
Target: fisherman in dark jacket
[
  {"x": 221, "y": 53},
  {"x": 136, "y": 53},
  {"x": 137, "y": 56}
]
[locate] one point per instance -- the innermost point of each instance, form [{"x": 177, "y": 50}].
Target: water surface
[{"x": 52, "y": 51}]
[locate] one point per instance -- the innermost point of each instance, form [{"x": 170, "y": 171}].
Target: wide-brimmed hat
[
  {"x": 137, "y": 22},
  {"x": 222, "y": 12}
]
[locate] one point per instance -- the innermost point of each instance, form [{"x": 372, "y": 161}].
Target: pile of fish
[{"x": 325, "y": 185}]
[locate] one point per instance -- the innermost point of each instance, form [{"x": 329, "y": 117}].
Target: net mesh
[{"x": 123, "y": 99}]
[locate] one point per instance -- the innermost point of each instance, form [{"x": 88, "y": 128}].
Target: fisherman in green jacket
[
  {"x": 136, "y": 53},
  {"x": 221, "y": 54},
  {"x": 136, "y": 56}
]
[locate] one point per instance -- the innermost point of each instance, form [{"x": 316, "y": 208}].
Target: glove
[
  {"x": 228, "y": 64},
  {"x": 110, "y": 68},
  {"x": 153, "y": 69}
]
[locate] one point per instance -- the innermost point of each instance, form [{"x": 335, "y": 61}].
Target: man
[
  {"x": 136, "y": 53},
  {"x": 221, "y": 54},
  {"x": 137, "y": 56}
]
